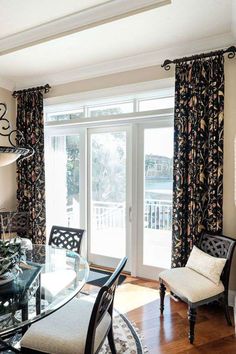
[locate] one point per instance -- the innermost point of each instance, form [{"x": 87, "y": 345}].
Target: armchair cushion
[
  {"x": 65, "y": 330},
  {"x": 190, "y": 285},
  {"x": 209, "y": 266}
]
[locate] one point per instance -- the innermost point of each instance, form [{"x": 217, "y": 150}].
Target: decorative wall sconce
[{"x": 11, "y": 153}]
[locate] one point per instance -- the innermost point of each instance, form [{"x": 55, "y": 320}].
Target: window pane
[
  {"x": 108, "y": 204},
  {"x": 158, "y": 154},
  {"x": 62, "y": 181},
  {"x": 52, "y": 117},
  {"x": 156, "y": 103},
  {"x": 106, "y": 110}
]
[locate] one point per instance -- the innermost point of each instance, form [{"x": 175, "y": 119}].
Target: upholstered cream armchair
[{"x": 205, "y": 277}]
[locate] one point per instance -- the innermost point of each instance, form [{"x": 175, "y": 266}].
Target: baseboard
[{"x": 231, "y": 298}]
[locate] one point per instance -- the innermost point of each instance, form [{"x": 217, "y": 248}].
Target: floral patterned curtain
[
  {"x": 30, "y": 171},
  {"x": 198, "y": 153}
]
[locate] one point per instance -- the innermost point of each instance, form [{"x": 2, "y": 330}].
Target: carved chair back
[
  {"x": 219, "y": 246},
  {"x": 66, "y": 237},
  {"x": 14, "y": 222},
  {"x": 102, "y": 305}
]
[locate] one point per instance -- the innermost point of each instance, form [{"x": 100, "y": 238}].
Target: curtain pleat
[{"x": 198, "y": 153}]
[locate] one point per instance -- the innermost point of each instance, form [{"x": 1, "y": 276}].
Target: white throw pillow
[{"x": 203, "y": 263}]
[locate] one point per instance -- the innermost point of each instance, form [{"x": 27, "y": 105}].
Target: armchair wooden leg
[
  {"x": 111, "y": 341},
  {"x": 192, "y": 313},
  {"x": 226, "y": 310},
  {"x": 162, "y": 297}
]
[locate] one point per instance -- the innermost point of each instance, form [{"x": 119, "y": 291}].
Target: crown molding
[
  {"x": 130, "y": 63},
  {"x": 79, "y": 21}
]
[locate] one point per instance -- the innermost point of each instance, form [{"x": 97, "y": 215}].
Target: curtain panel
[
  {"x": 198, "y": 153},
  {"x": 30, "y": 171}
]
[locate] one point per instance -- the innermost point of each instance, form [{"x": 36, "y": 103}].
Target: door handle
[{"x": 130, "y": 214}]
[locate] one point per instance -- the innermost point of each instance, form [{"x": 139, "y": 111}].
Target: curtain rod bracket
[
  {"x": 45, "y": 89},
  {"x": 231, "y": 54}
]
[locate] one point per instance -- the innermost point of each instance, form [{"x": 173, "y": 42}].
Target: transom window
[{"x": 115, "y": 106}]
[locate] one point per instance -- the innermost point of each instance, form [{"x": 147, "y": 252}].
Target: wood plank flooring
[{"x": 139, "y": 300}]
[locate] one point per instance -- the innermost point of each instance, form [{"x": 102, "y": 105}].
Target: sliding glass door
[
  {"x": 155, "y": 211},
  {"x": 108, "y": 187},
  {"x": 116, "y": 183}
]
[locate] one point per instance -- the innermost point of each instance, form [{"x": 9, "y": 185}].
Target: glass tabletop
[{"x": 49, "y": 278}]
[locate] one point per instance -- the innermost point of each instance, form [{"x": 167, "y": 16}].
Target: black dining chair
[
  {"x": 194, "y": 288},
  {"x": 80, "y": 326},
  {"x": 66, "y": 237},
  {"x": 62, "y": 237}
]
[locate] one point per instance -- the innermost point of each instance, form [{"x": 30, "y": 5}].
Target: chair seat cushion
[
  {"x": 190, "y": 285},
  {"x": 65, "y": 331},
  {"x": 52, "y": 283}
]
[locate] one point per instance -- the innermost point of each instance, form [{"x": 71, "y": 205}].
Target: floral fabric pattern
[
  {"x": 30, "y": 171},
  {"x": 198, "y": 153}
]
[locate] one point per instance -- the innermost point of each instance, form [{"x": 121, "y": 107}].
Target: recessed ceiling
[{"x": 184, "y": 25}]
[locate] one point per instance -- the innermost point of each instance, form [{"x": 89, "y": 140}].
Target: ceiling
[
  {"x": 17, "y": 16},
  {"x": 52, "y": 50}
]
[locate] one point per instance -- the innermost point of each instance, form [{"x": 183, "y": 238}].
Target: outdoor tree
[
  {"x": 72, "y": 171},
  {"x": 108, "y": 167}
]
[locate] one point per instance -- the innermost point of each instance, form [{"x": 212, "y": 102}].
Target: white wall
[{"x": 229, "y": 197}]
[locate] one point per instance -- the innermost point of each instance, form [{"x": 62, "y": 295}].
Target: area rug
[
  {"x": 127, "y": 339},
  {"x": 99, "y": 277}
]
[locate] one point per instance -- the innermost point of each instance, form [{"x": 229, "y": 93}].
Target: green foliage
[
  {"x": 108, "y": 167},
  {"x": 10, "y": 254},
  {"x": 72, "y": 171},
  {"x": 149, "y": 163}
]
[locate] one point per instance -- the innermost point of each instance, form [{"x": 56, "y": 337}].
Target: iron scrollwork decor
[
  {"x": 10, "y": 153},
  {"x": 231, "y": 52}
]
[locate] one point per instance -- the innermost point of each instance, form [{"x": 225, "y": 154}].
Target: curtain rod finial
[{"x": 166, "y": 64}]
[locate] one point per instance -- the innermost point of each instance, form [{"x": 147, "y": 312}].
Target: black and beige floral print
[{"x": 198, "y": 153}]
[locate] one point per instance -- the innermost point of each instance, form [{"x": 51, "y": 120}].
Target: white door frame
[{"x": 109, "y": 261}]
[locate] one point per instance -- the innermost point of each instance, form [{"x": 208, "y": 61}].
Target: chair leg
[
  {"x": 226, "y": 310},
  {"x": 111, "y": 340},
  {"x": 162, "y": 297},
  {"x": 192, "y": 313}
]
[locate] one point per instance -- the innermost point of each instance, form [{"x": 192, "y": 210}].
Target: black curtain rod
[
  {"x": 44, "y": 88},
  {"x": 231, "y": 54}
]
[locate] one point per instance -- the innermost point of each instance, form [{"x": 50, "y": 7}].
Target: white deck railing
[
  {"x": 106, "y": 215},
  {"x": 158, "y": 214}
]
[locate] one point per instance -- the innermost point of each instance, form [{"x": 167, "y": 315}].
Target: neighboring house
[{"x": 158, "y": 166}]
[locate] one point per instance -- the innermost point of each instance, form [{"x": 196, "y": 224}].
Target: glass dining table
[{"x": 49, "y": 278}]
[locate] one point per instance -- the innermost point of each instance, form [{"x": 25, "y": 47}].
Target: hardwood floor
[{"x": 139, "y": 300}]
